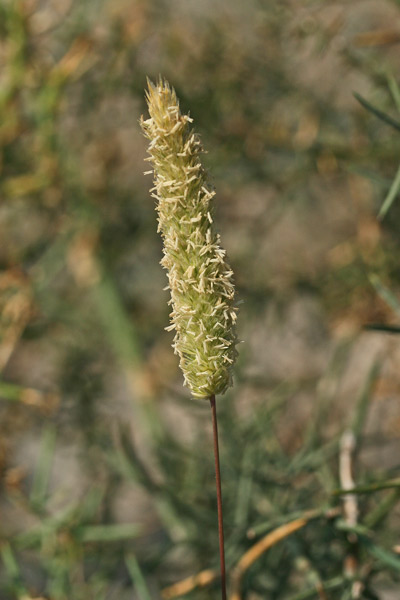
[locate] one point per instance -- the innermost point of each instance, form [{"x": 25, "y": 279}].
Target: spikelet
[{"x": 200, "y": 281}]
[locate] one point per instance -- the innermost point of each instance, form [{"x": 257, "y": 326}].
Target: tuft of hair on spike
[{"x": 200, "y": 279}]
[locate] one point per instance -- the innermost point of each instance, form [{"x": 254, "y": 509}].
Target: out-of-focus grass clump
[{"x": 106, "y": 476}]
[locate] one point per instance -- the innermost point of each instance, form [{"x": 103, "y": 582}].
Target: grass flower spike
[{"x": 200, "y": 280}]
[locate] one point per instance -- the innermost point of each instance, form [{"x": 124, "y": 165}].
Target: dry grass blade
[
  {"x": 187, "y": 585},
  {"x": 258, "y": 550},
  {"x": 382, "y": 37}
]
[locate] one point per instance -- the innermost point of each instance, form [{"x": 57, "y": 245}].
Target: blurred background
[{"x": 107, "y": 483}]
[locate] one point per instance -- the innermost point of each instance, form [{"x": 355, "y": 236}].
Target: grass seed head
[{"x": 200, "y": 280}]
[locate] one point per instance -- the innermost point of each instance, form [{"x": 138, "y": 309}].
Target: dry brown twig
[
  {"x": 350, "y": 506},
  {"x": 185, "y": 586},
  {"x": 382, "y": 37}
]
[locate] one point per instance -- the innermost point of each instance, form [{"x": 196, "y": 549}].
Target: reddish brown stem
[{"x": 219, "y": 497}]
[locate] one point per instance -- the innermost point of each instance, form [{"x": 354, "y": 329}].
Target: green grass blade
[
  {"x": 109, "y": 533},
  {"x": 361, "y": 410},
  {"x": 378, "y": 113},
  {"x": 87, "y": 510},
  {"x": 314, "y": 592},
  {"x": 47, "y": 527},
  {"x": 118, "y": 327},
  {"x": 372, "y": 487},
  {"x": 382, "y": 327},
  {"x": 10, "y": 391},
  {"x": 359, "y": 530},
  {"x": 391, "y": 195},
  {"x": 9, "y": 561},
  {"x": 395, "y": 91},
  {"x": 244, "y": 488},
  {"x": 138, "y": 580},
  {"x": 387, "y": 295},
  {"x": 389, "y": 559},
  {"x": 378, "y": 514},
  {"x": 376, "y": 178},
  {"x": 12, "y": 569},
  {"x": 43, "y": 469}
]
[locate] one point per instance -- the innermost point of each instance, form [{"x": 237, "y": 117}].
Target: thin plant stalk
[{"x": 219, "y": 497}]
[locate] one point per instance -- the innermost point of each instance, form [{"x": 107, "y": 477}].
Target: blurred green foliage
[{"x": 107, "y": 484}]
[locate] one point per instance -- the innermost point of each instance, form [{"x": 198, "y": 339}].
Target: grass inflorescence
[{"x": 200, "y": 280}]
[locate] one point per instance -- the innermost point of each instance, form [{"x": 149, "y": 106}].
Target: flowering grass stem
[
  {"x": 200, "y": 279},
  {"x": 219, "y": 497}
]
